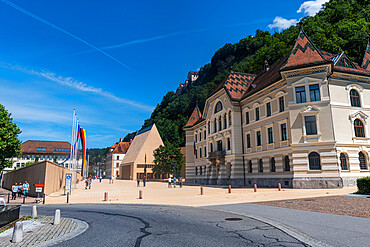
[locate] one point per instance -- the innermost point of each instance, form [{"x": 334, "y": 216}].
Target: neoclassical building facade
[{"x": 302, "y": 122}]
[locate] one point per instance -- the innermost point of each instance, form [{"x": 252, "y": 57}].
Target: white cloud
[
  {"x": 281, "y": 23},
  {"x": 311, "y": 8},
  {"x": 81, "y": 86}
]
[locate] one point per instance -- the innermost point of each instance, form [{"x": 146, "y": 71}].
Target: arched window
[
  {"x": 211, "y": 147},
  {"x": 250, "y": 167},
  {"x": 260, "y": 167},
  {"x": 215, "y": 126},
  {"x": 314, "y": 161},
  {"x": 196, "y": 170},
  {"x": 230, "y": 122},
  {"x": 225, "y": 124},
  {"x": 343, "y": 161},
  {"x": 359, "y": 128},
  {"x": 355, "y": 98},
  {"x": 219, "y": 123},
  {"x": 218, "y": 107},
  {"x": 286, "y": 163},
  {"x": 363, "y": 161},
  {"x": 209, "y": 127},
  {"x": 272, "y": 165}
]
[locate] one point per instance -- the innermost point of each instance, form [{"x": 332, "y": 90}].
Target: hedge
[{"x": 363, "y": 185}]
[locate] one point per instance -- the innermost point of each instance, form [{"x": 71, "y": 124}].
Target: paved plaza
[{"x": 125, "y": 191}]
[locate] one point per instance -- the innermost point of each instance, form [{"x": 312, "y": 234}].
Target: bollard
[
  {"x": 229, "y": 188},
  {"x": 34, "y": 211},
  {"x": 24, "y": 199},
  {"x": 57, "y": 217},
  {"x": 279, "y": 187},
  {"x": 17, "y": 232},
  {"x": 140, "y": 194},
  {"x": 105, "y": 196},
  {"x": 201, "y": 190},
  {"x": 255, "y": 187},
  {"x": 67, "y": 197},
  {"x": 8, "y": 197}
]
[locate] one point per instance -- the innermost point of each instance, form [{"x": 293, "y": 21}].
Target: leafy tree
[
  {"x": 91, "y": 173},
  {"x": 168, "y": 159},
  {"x": 10, "y": 145}
]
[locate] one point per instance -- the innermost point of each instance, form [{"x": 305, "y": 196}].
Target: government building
[{"x": 301, "y": 122}]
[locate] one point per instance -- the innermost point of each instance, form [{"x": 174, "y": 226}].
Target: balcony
[{"x": 216, "y": 154}]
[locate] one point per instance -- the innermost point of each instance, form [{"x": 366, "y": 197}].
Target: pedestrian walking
[
  {"x": 20, "y": 187},
  {"x": 90, "y": 181},
  {"x": 180, "y": 182},
  {"x": 174, "y": 182},
  {"x": 26, "y": 188},
  {"x": 144, "y": 180},
  {"x": 169, "y": 182},
  {"x": 86, "y": 183},
  {"x": 138, "y": 182},
  {"x": 100, "y": 179},
  {"x": 112, "y": 179},
  {"x": 14, "y": 191}
]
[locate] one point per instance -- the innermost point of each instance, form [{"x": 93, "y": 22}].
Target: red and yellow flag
[{"x": 83, "y": 142}]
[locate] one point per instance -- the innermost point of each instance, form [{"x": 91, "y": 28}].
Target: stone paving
[
  {"x": 124, "y": 191},
  {"x": 44, "y": 233}
]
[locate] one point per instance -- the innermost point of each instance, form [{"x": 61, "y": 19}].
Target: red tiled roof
[
  {"x": 366, "y": 61},
  {"x": 121, "y": 147},
  {"x": 304, "y": 52},
  {"x": 236, "y": 84},
  {"x": 195, "y": 117},
  {"x": 30, "y": 147},
  {"x": 266, "y": 77}
]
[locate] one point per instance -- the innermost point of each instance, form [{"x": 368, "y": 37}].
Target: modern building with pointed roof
[
  {"x": 140, "y": 154},
  {"x": 302, "y": 122}
]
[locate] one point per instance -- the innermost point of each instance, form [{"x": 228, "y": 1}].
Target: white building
[
  {"x": 55, "y": 151},
  {"x": 303, "y": 122},
  {"x": 114, "y": 158}
]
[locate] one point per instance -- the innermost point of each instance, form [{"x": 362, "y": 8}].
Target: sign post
[
  {"x": 68, "y": 182},
  {"x": 38, "y": 190}
]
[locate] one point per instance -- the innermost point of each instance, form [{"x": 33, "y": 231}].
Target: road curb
[{"x": 288, "y": 230}]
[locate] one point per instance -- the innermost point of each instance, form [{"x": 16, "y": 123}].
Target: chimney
[
  {"x": 267, "y": 67},
  {"x": 120, "y": 139}
]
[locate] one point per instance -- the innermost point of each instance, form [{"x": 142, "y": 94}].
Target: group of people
[
  {"x": 138, "y": 182},
  {"x": 88, "y": 183},
  {"x": 174, "y": 181},
  {"x": 20, "y": 189}
]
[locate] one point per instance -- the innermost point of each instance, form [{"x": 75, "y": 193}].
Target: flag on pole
[
  {"x": 145, "y": 159},
  {"x": 83, "y": 142}
]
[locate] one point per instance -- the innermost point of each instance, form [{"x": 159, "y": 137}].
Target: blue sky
[{"x": 113, "y": 61}]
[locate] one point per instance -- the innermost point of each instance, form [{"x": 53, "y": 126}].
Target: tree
[
  {"x": 168, "y": 159},
  {"x": 10, "y": 145}
]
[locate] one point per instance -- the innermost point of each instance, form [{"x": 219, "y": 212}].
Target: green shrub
[{"x": 363, "y": 185}]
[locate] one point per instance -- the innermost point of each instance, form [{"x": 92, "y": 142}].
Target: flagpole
[{"x": 73, "y": 122}]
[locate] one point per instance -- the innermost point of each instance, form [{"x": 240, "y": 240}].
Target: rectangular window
[
  {"x": 228, "y": 144},
  {"x": 315, "y": 92},
  {"x": 270, "y": 135},
  {"x": 41, "y": 149},
  {"x": 248, "y": 140},
  {"x": 200, "y": 152},
  {"x": 310, "y": 123},
  {"x": 268, "y": 109},
  {"x": 300, "y": 94},
  {"x": 196, "y": 137},
  {"x": 257, "y": 113},
  {"x": 247, "y": 118},
  {"x": 205, "y": 134},
  {"x": 205, "y": 151},
  {"x": 281, "y": 104},
  {"x": 284, "y": 135},
  {"x": 258, "y": 138},
  {"x": 200, "y": 136}
]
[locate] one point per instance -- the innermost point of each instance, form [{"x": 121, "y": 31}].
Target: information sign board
[{"x": 68, "y": 181}]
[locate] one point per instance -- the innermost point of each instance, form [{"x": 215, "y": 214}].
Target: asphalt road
[
  {"x": 140, "y": 225},
  {"x": 335, "y": 230}
]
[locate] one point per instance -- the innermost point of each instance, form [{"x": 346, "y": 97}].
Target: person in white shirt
[
  {"x": 169, "y": 182},
  {"x": 14, "y": 191}
]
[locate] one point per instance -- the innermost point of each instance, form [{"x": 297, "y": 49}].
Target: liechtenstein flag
[{"x": 145, "y": 158}]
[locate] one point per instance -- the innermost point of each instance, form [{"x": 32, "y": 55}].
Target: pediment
[{"x": 306, "y": 80}]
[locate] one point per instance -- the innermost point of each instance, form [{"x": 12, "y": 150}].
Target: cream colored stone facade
[{"x": 308, "y": 144}]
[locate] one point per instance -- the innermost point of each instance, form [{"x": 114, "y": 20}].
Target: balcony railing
[{"x": 216, "y": 154}]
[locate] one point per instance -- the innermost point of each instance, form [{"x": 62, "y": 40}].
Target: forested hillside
[{"x": 342, "y": 25}]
